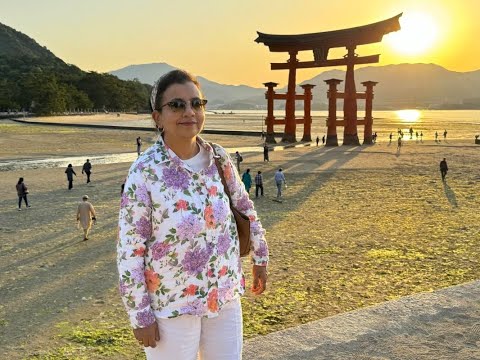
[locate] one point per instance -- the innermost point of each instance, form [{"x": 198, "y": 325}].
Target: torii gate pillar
[
  {"x": 269, "y": 120},
  {"x": 367, "y": 136},
  {"x": 307, "y": 116},
  {"x": 350, "y": 136},
  {"x": 290, "y": 124},
  {"x": 332, "y": 139}
]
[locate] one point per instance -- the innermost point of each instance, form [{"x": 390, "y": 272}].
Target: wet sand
[{"x": 359, "y": 226}]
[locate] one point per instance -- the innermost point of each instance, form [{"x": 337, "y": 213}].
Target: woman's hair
[
  {"x": 20, "y": 181},
  {"x": 170, "y": 78}
]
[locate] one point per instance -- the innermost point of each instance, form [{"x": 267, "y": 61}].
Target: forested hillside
[{"x": 32, "y": 78}]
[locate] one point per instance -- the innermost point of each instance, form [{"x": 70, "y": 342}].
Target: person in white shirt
[{"x": 86, "y": 216}]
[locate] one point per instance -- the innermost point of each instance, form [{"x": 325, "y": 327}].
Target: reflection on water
[
  {"x": 76, "y": 161},
  {"x": 408, "y": 115},
  {"x": 63, "y": 162}
]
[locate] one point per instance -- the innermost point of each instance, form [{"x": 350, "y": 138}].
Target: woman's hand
[
  {"x": 259, "y": 279},
  {"x": 147, "y": 336}
]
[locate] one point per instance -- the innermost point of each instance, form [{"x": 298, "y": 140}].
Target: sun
[{"x": 418, "y": 34}]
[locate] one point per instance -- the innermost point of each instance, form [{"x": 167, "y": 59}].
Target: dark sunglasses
[{"x": 175, "y": 105}]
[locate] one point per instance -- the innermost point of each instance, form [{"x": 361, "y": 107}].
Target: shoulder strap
[{"x": 220, "y": 172}]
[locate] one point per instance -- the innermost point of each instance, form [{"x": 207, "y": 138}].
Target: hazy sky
[{"x": 215, "y": 39}]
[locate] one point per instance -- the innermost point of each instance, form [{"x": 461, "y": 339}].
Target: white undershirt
[{"x": 199, "y": 161}]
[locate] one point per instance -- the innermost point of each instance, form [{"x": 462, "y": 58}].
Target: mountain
[
  {"x": 145, "y": 73},
  {"x": 16, "y": 44},
  {"x": 407, "y": 85},
  {"x": 399, "y": 86},
  {"x": 218, "y": 95}
]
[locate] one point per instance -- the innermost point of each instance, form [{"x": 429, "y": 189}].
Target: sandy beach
[{"x": 359, "y": 226}]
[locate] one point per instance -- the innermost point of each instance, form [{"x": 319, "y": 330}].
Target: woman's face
[{"x": 180, "y": 124}]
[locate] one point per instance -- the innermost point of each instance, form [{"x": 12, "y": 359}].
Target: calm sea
[{"x": 460, "y": 124}]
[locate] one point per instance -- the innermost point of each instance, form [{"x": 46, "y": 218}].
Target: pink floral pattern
[{"x": 178, "y": 243}]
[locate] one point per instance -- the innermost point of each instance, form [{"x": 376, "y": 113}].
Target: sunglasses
[{"x": 176, "y": 105}]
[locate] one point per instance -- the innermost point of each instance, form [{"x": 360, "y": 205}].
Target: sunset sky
[{"x": 215, "y": 39}]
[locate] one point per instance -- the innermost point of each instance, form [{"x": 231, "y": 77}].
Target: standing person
[
  {"x": 22, "y": 192},
  {"x": 436, "y": 136},
  {"x": 443, "y": 168},
  {"x": 239, "y": 159},
  {"x": 265, "y": 153},
  {"x": 86, "y": 216},
  {"x": 391, "y": 136},
  {"x": 139, "y": 145},
  {"x": 247, "y": 180},
  {"x": 323, "y": 140},
  {"x": 70, "y": 172},
  {"x": 445, "y": 135},
  {"x": 258, "y": 183},
  {"x": 279, "y": 180},
  {"x": 87, "y": 169},
  {"x": 317, "y": 140},
  {"x": 178, "y": 253},
  {"x": 399, "y": 143},
  {"x": 421, "y": 135}
]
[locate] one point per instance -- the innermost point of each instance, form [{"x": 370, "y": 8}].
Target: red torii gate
[{"x": 320, "y": 44}]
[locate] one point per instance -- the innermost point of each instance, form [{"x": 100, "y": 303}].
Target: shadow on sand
[{"x": 450, "y": 194}]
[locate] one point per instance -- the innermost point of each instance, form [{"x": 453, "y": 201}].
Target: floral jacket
[{"x": 178, "y": 244}]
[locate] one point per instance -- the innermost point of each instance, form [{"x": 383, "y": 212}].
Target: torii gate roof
[{"x": 360, "y": 35}]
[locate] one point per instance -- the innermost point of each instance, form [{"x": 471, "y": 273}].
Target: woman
[
  {"x": 22, "y": 192},
  {"x": 178, "y": 254},
  {"x": 70, "y": 172},
  {"x": 247, "y": 180}
]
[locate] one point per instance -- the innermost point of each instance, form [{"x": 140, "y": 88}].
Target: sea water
[{"x": 460, "y": 124}]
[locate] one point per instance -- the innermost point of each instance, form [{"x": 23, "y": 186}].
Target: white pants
[{"x": 187, "y": 336}]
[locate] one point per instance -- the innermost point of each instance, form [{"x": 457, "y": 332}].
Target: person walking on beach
[
  {"x": 87, "y": 169},
  {"x": 421, "y": 135},
  {"x": 139, "y": 145},
  {"x": 247, "y": 180},
  {"x": 317, "y": 140},
  {"x": 265, "y": 153},
  {"x": 22, "y": 192},
  {"x": 323, "y": 140},
  {"x": 86, "y": 216},
  {"x": 399, "y": 143},
  {"x": 178, "y": 253},
  {"x": 258, "y": 183},
  {"x": 70, "y": 172},
  {"x": 279, "y": 181},
  {"x": 445, "y": 135},
  {"x": 436, "y": 136},
  {"x": 443, "y": 168},
  {"x": 391, "y": 136},
  {"x": 239, "y": 159}
]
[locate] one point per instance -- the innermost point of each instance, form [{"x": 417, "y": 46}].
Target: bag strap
[{"x": 220, "y": 172}]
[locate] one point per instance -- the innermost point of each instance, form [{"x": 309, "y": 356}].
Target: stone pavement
[{"x": 444, "y": 324}]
